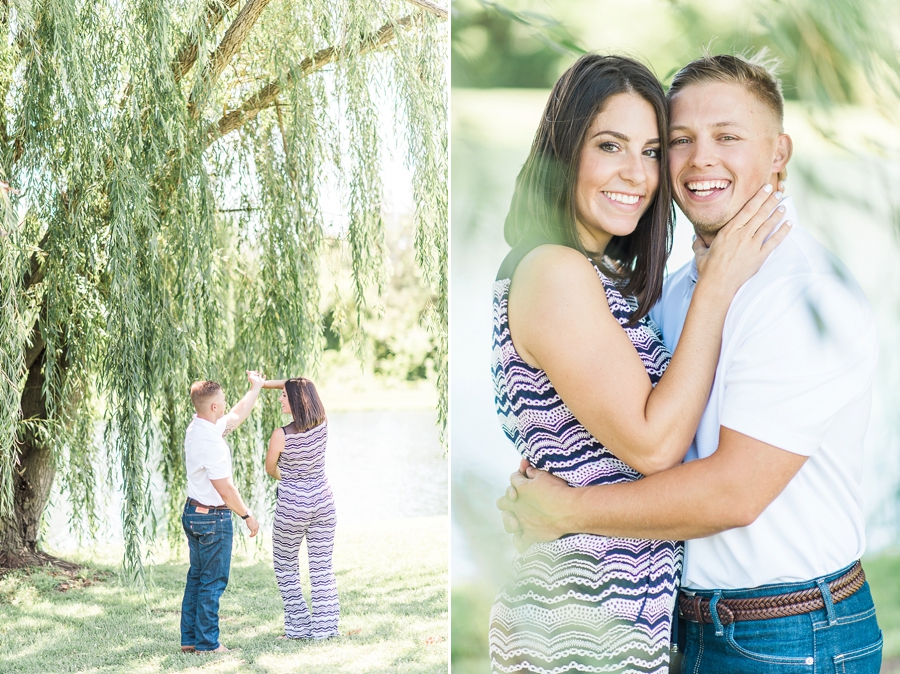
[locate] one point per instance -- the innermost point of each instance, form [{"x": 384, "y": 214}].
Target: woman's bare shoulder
[{"x": 552, "y": 270}]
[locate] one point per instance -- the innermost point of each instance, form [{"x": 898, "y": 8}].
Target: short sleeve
[
  {"x": 221, "y": 425},
  {"x": 808, "y": 350},
  {"x": 217, "y": 460}
]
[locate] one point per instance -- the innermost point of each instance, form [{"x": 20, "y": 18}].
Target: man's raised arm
[
  {"x": 242, "y": 407},
  {"x": 729, "y": 489}
]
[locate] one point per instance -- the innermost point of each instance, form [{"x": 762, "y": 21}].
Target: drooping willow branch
[
  {"x": 267, "y": 96},
  {"x": 234, "y": 37},
  {"x": 428, "y": 6},
  {"x": 187, "y": 55},
  {"x": 114, "y": 297}
]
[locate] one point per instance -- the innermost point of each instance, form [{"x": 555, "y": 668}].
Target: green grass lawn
[
  {"x": 471, "y": 606},
  {"x": 392, "y": 582}
]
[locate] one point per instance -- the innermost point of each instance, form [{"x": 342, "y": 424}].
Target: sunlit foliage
[{"x": 171, "y": 156}]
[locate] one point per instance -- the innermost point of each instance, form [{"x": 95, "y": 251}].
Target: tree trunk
[{"x": 34, "y": 479}]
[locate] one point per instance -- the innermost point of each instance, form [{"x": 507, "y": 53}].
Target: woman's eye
[
  {"x": 609, "y": 147},
  {"x": 652, "y": 152}
]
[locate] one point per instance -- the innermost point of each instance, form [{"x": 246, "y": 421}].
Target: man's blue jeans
[
  {"x": 842, "y": 638},
  {"x": 209, "y": 540}
]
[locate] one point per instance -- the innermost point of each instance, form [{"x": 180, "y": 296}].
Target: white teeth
[
  {"x": 623, "y": 198},
  {"x": 706, "y": 187}
]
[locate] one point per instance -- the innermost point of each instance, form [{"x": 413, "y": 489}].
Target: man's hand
[
  {"x": 533, "y": 506},
  {"x": 252, "y": 525},
  {"x": 242, "y": 408}
]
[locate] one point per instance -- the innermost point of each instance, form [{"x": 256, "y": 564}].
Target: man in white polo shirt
[
  {"x": 769, "y": 497},
  {"x": 212, "y": 496}
]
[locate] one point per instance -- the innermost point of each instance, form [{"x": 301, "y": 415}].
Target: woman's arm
[
  {"x": 276, "y": 447},
  {"x": 560, "y": 322},
  {"x": 274, "y": 383}
]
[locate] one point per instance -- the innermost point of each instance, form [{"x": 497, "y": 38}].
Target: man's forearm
[
  {"x": 233, "y": 500},
  {"x": 243, "y": 407},
  {"x": 726, "y": 490},
  {"x": 677, "y": 504}
]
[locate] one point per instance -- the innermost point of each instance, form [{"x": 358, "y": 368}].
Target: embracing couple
[
  {"x": 725, "y": 408},
  {"x": 304, "y": 509}
]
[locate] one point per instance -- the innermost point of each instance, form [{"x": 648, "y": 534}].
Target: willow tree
[{"x": 167, "y": 159}]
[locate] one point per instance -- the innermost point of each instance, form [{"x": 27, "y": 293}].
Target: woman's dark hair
[
  {"x": 543, "y": 204},
  {"x": 306, "y": 406}
]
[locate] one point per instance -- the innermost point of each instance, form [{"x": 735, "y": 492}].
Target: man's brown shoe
[{"x": 188, "y": 649}]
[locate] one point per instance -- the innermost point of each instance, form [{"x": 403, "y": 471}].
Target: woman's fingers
[
  {"x": 510, "y": 522},
  {"x": 777, "y": 237},
  {"x": 768, "y": 225},
  {"x": 751, "y": 208},
  {"x": 767, "y": 210}
]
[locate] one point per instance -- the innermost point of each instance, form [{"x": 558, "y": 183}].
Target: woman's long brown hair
[
  {"x": 306, "y": 406},
  {"x": 543, "y": 204}
]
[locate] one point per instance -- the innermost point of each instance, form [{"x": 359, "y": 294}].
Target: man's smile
[{"x": 705, "y": 188}]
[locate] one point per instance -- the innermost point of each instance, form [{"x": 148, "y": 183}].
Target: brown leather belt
[
  {"x": 195, "y": 502},
  {"x": 775, "y": 606}
]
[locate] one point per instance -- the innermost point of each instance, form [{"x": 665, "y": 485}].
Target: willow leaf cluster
[{"x": 170, "y": 157}]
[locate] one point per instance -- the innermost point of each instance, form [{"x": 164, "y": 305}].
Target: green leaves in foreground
[{"x": 171, "y": 158}]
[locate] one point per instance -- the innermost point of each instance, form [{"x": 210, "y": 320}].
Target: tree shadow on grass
[{"x": 106, "y": 625}]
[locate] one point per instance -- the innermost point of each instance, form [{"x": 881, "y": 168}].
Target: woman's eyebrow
[
  {"x": 622, "y": 136},
  {"x": 614, "y": 134}
]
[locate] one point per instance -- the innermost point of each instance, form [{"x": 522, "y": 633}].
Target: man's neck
[
  {"x": 707, "y": 239},
  {"x": 207, "y": 417}
]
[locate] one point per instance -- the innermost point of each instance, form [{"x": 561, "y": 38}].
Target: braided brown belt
[{"x": 775, "y": 606}]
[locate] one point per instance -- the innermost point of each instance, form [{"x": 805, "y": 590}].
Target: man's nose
[{"x": 703, "y": 153}]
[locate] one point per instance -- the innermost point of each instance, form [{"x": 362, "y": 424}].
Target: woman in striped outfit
[{"x": 304, "y": 508}]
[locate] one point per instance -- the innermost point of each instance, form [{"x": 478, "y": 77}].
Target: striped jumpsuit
[
  {"x": 582, "y": 603},
  {"x": 305, "y": 508}
]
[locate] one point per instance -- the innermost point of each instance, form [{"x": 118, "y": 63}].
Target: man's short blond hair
[
  {"x": 758, "y": 73},
  {"x": 202, "y": 391}
]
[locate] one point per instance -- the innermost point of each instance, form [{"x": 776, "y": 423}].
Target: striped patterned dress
[
  {"x": 305, "y": 508},
  {"x": 582, "y": 603}
]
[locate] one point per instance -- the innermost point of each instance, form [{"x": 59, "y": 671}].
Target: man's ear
[{"x": 784, "y": 148}]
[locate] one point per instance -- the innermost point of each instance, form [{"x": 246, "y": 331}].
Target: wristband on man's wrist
[{"x": 244, "y": 517}]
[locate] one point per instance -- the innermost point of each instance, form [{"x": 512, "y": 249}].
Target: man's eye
[
  {"x": 680, "y": 141},
  {"x": 729, "y": 138}
]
